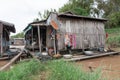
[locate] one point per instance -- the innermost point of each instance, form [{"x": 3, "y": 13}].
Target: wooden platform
[
  {"x": 4, "y": 58},
  {"x": 83, "y": 57}
]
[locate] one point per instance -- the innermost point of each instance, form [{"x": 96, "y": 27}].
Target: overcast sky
[{"x": 22, "y": 12}]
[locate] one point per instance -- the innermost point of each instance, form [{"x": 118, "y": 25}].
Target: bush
[
  {"x": 114, "y": 20},
  {"x": 114, "y": 41}
]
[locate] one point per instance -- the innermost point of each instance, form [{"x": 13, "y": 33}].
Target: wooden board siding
[
  {"x": 89, "y": 31},
  {"x": 49, "y": 41}
]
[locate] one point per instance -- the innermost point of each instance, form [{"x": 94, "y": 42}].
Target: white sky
[{"x": 22, "y": 12}]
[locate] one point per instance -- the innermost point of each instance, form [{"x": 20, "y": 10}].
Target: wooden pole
[
  {"x": 55, "y": 43},
  {"x": 1, "y": 44},
  {"x": 39, "y": 39},
  {"x": 32, "y": 40}
]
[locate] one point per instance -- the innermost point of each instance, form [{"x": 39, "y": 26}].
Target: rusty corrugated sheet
[{"x": 54, "y": 25}]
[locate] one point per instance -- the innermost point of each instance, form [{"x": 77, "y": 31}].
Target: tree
[
  {"x": 114, "y": 20},
  {"x": 109, "y": 9},
  {"x": 44, "y": 15},
  {"x": 107, "y": 6},
  {"x": 79, "y": 7},
  {"x": 19, "y": 35}
]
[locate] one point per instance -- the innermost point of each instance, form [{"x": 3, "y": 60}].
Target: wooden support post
[
  {"x": 39, "y": 39},
  {"x": 1, "y": 39},
  {"x": 55, "y": 49},
  {"x": 32, "y": 39},
  {"x": 55, "y": 45},
  {"x": 1, "y": 45}
]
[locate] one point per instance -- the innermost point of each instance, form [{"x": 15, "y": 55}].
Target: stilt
[
  {"x": 1, "y": 44},
  {"x": 39, "y": 39}
]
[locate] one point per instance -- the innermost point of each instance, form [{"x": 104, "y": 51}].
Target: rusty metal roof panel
[{"x": 80, "y": 17}]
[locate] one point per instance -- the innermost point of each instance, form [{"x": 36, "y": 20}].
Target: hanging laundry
[{"x": 74, "y": 37}]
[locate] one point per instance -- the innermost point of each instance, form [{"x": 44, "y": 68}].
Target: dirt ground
[
  {"x": 2, "y": 63},
  {"x": 110, "y": 65}
]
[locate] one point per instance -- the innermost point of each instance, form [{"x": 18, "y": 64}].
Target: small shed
[
  {"x": 18, "y": 41},
  {"x": 84, "y": 32},
  {"x": 5, "y": 29}
]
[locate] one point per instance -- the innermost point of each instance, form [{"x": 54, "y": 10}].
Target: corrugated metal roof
[
  {"x": 36, "y": 23},
  {"x": 79, "y": 17}
]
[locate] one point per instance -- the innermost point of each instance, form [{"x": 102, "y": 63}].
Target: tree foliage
[
  {"x": 79, "y": 7},
  {"x": 19, "y": 35},
  {"x": 109, "y": 9},
  {"x": 44, "y": 15},
  {"x": 108, "y": 6},
  {"x": 114, "y": 20}
]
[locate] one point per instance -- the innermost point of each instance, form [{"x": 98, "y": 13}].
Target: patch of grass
[
  {"x": 113, "y": 30},
  {"x": 22, "y": 71},
  {"x": 61, "y": 70},
  {"x": 114, "y": 37},
  {"x": 51, "y": 70},
  {"x": 114, "y": 41}
]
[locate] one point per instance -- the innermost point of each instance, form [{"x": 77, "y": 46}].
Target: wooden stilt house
[
  {"x": 5, "y": 29},
  {"x": 84, "y": 32}
]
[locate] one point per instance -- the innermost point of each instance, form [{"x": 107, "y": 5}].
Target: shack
[
  {"x": 5, "y": 29},
  {"x": 83, "y": 32},
  {"x": 17, "y": 41}
]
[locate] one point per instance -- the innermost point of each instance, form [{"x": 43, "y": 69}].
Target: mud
[
  {"x": 109, "y": 65},
  {"x": 2, "y": 63}
]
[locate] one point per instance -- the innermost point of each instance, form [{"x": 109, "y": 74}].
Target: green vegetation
[
  {"x": 44, "y": 15},
  {"x": 61, "y": 70},
  {"x": 51, "y": 70},
  {"x": 113, "y": 31},
  {"x": 78, "y": 7},
  {"x": 22, "y": 71},
  {"x": 19, "y": 35},
  {"x": 114, "y": 37},
  {"x": 109, "y": 9}
]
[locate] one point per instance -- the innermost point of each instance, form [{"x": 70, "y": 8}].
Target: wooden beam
[
  {"x": 11, "y": 61},
  {"x": 1, "y": 48},
  {"x": 94, "y": 56}
]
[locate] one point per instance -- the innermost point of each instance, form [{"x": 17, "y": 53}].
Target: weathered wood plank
[
  {"x": 94, "y": 56},
  {"x": 4, "y": 58},
  {"x": 11, "y": 61}
]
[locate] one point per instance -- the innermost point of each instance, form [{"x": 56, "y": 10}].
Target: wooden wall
[{"x": 88, "y": 33}]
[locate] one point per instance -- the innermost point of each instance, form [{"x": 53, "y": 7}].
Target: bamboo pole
[{"x": 39, "y": 39}]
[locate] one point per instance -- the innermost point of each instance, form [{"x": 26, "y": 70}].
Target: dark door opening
[{"x": 43, "y": 37}]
